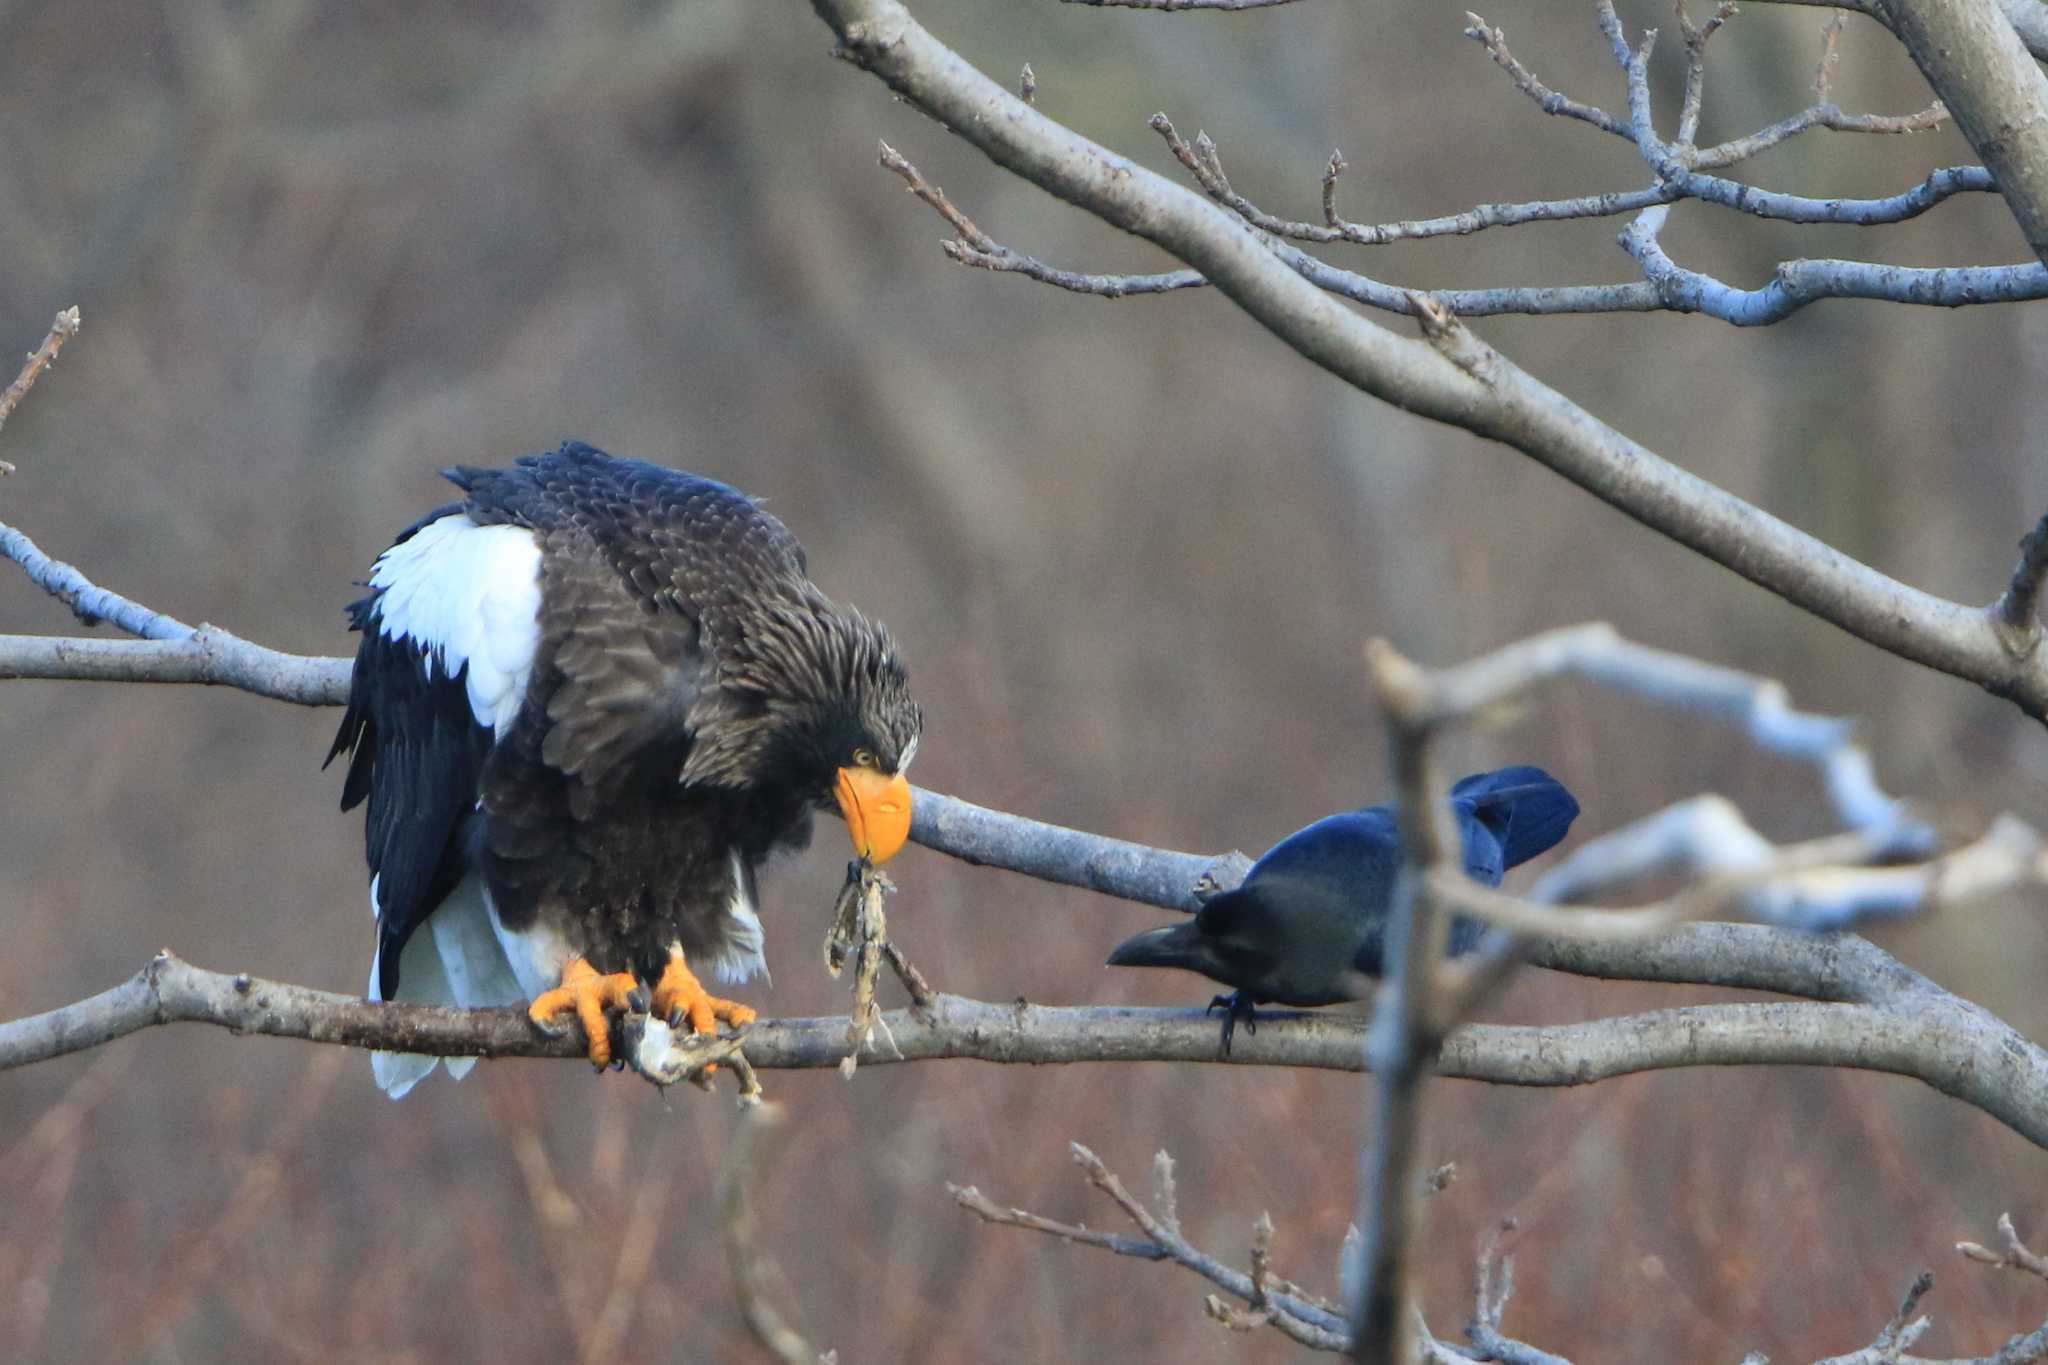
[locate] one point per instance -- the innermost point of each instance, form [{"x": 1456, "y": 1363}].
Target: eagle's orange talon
[
  {"x": 587, "y": 995},
  {"x": 680, "y": 996}
]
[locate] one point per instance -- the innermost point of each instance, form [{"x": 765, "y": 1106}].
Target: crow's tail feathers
[{"x": 1508, "y": 817}]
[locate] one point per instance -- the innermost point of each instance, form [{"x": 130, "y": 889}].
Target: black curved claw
[{"x": 1235, "y": 1006}]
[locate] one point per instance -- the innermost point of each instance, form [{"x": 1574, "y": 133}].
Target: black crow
[{"x": 1308, "y": 925}]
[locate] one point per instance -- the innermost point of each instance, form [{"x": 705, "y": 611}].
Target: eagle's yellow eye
[{"x": 863, "y": 757}]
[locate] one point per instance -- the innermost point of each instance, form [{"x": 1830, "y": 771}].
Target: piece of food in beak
[{"x": 877, "y": 811}]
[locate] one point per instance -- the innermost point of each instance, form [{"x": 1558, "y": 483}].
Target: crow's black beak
[{"x": 1174, "y": 945}]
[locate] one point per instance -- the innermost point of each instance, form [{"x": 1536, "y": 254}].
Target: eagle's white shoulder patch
[{"x": 467, "y": 594}]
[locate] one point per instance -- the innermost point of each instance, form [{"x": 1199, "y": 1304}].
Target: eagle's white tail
[{"x": 453, "y": 959}]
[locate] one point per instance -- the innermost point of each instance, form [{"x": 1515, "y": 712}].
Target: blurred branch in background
[
  {"x": 754, "y": 1273},
  {"x": 1310, "y": 1320}
]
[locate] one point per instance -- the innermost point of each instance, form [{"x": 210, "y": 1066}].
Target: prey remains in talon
[{"x": 590, "y": 998}]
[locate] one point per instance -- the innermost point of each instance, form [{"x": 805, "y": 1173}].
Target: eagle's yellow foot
[
  {"x": 679, "y": 995},
  {"x": 587, "y": 995}
]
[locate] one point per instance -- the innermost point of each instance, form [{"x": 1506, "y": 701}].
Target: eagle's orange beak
[{"x": 877, "y": 811}]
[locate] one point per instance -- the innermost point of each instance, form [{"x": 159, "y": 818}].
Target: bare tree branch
[
  {"x": 2018, "y": 608},
  {"x": 1408, "y": 1022},
  {"x": 1506, "y": 405},
  {"x": 1676, "y": 180},
  {"x": 1797, "y": 283},
  {"x": 2029, "y": 18},
  {"x": 1495, "y": 41},
  {"x": 750, "y": 1149},
  {"x": 971, "y": 246},
  {"x": 208, "y": 656},
  {"x": 1310, "y": 1321},
  {"x": 1403, "y": 1041},
  {"x": 1949, "y": 1044},
  {"x": 89, "y": 602},
  {"x": 62, "y": 329},
  {"x": 1951, "y": 180},
  {"x": 2013, "y": 1254},
  {"x": 169, "y": 652},
  {"x": 1806, "y": 886},
  {"x": 1971, "y": 55}
]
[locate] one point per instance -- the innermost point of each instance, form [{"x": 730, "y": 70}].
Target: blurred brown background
[{"x": 1131, "y": 550}]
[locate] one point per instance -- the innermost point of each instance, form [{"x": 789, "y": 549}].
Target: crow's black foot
[{"x": 1235, "y": 1006}]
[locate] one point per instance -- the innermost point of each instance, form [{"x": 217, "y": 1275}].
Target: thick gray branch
[
  {"x": 1949, "y": 1044},
  {"x": 1053, "y": 853},
  {"x": 208, "y": 655},
  {"x": 169, "y": 651}
]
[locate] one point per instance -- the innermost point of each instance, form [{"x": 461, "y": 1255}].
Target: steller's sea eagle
[{"x": 589, "y": 700}]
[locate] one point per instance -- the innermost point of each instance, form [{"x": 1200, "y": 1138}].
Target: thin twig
[
  {"x": 1696, "y": 38},
  {"x": 971, "y": 1198},
  {"x": 2018, "y": 608},
  {"x": 1494, "y": 40},
  {"x": 747, "y": 1154},
  {"x": 2013, "y": 1253},
  {"x": 1828, "y": 116},
  {"x": 1799, "y": 283},
  {"x": 1812, "y": 886},
  {"x": 62, "y": 329},
  {"x": 1295, "y": 1318},
  {"x": 1678, "y": 178},
  {"x": 1830, "y": 59},
  {"x": 935, "y": 198},
  {"x": 972, "y": 247}
]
